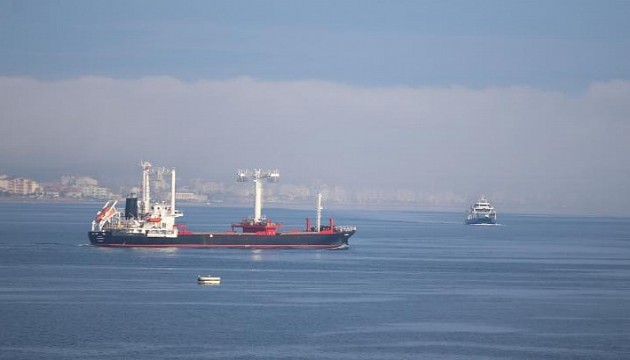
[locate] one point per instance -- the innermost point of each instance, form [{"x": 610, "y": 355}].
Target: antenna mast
[
  {"x": 147, "y": 169},
  {"x": 173, "y": 191},
  {"x": 146, "y": 186}
]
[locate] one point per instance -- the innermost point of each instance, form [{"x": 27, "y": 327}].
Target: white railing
[{"x": 345, "y": 228}]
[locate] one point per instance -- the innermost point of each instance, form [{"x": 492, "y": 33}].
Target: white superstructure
[{"x": 151, "y": 219}]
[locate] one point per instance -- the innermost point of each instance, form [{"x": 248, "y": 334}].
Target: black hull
[{"x": 313, "y": 240}]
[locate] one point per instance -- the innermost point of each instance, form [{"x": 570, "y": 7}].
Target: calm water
[{"x": 412, "y": 285}]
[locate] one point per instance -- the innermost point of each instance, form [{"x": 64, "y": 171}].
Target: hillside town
[
  {"x": 69, "y": 187},
  {"x": 85, "y": 188}
]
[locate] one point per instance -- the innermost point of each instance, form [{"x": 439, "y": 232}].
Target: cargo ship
[{"x": 153, "y": 224}]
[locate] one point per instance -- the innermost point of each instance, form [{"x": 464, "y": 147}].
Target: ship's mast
[
  {"x": 319, "y": 211},
  {"x": 173, "y": 191},
  {"x": 147, "y": 169},
  {"x": 146, "y": 186},
  {"x": 257, "y": 176}
]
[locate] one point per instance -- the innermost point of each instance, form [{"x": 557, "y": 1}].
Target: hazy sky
[{"x": 526, "y": 101}]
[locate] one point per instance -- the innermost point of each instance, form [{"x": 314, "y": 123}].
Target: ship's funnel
[{"x": 131, "y": 207}]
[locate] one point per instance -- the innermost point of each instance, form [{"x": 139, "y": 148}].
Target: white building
[
  {"x": 96, "y": 192},
  {"x": 78, "y": 181},
  {"x": 20, "y": 186}
]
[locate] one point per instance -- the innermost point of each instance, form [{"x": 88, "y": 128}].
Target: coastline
[{"x": 331, "y": 206}]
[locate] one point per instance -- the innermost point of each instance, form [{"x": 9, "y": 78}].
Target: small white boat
[{"x": 208, "y": 279}]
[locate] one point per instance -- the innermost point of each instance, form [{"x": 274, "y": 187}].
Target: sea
[{"x": 412, "y": 285}]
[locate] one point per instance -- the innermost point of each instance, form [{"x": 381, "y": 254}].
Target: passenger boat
[{"x": 481, "y": 212}]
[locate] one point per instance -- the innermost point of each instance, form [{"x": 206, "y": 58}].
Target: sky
[{"x": 527, "y": 102}]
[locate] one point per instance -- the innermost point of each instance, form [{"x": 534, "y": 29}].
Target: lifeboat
[
  {"x": 106, "y": 212},
  {"x": 154, "y": 220}
]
